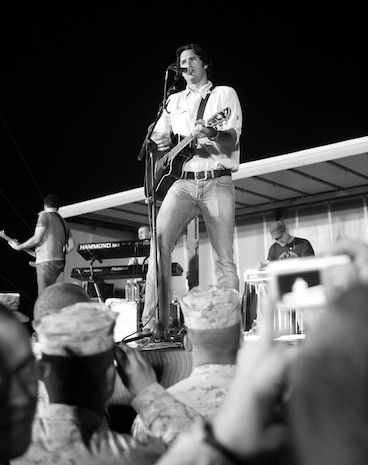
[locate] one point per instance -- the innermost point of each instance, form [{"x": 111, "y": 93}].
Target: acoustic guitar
[
  {"x": 28, "y": 251},
  {"x": 169, "y": 167}
]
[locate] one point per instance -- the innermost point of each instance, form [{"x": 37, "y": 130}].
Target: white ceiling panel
[{"x": 322, "y": 173}]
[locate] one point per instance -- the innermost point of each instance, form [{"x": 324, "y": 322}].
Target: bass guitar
[
  {"x": 169, "y": 167},
  {"x": 28, "y": 251}
]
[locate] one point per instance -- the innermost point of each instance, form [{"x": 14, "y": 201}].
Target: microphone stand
[
  {"x": 92, "y": 280},
  {"x": 148, "y": 149}
]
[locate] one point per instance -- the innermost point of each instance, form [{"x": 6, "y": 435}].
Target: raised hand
[{"x": 135, "y": 372}]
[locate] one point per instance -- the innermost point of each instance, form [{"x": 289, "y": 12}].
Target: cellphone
[{"x": 308, "y": 282}]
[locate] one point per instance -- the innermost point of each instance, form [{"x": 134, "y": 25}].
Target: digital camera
[{"x": 308, "y": 282}]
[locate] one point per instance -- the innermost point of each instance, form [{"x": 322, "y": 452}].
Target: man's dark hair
[
  {"x": 198, "y": 50},
  {"x": 52, "y": 201}
]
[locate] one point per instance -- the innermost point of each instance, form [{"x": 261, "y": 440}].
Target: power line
[
  {"x": 17, "y": 288},
  {"x": 15, "y": 209},
  {"x": 20, "y": 154}
]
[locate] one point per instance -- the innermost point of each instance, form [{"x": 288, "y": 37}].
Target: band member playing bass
[
  {"x": 205, "y": 186},
  {"x": 52, "y": 240}
]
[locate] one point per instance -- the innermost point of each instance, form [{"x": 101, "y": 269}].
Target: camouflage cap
[
  {"x": 211, "y": 308},
  {"x": 84, "y": 328}
]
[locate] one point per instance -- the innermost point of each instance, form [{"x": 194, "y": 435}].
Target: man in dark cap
[{"x": 285, "y": 245}]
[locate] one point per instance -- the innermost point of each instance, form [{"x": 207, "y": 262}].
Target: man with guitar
[
  {"x": 52, "y": 240},
  {"x": 210, "y": 119}
]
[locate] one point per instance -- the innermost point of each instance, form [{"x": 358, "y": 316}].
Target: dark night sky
[{"x": 80, "y": 86}]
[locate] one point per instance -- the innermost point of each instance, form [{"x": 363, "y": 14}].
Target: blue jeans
[
  {"x": 48, "y": 273},
  {"x": 186, "y": 199}
]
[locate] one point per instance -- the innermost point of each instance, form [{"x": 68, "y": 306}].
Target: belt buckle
[{"x": 200, "y": 177}]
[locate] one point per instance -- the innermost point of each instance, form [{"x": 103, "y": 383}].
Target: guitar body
[
  {"x": 169, "y": 166},
  {"x": 167, "y": 171}
]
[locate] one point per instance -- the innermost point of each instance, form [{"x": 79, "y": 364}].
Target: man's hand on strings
[
  {"x": 15, "y": 245},
  {"x": 163, "y": 141},
  {"x": 200, "y": 130}
]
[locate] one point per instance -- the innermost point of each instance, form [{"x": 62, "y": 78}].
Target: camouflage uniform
[
  {"x": 203, "y": 391},
  {"x": 192, "y": 449},
  {"x": 63, "y": 434},
  {"x": 163, "y": 415}
]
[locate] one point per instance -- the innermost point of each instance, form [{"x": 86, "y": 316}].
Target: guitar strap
[
  {"x": 66, "y": 232},
  {"x": 203, "y": 104}
]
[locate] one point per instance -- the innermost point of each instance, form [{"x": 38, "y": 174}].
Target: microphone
[
  {"x": 142, "y": 151},
  {"x": 150, "y": 145},
  {"x": 177, "y": 69}
]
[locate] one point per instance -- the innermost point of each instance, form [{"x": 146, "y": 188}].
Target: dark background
[{"x": 81, "y": 84}]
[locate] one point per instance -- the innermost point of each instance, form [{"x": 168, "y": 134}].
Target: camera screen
[{"x": 307, "y": 282}]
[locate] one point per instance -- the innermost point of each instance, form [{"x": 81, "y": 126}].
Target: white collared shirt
[{"x": 180, "y": 116}]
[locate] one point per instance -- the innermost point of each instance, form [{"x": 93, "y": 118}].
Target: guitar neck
[
  {"x": 179, "y": 147},
  {"x": 9, "y": 239}
]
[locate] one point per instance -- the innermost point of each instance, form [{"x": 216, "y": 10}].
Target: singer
[{"x": 205, "y": 187}]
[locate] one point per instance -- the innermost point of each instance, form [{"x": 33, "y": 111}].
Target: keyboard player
[{"x": 144, "y": 234}]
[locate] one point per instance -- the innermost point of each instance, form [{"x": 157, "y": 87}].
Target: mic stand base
[{"x": 95, "y": 284}]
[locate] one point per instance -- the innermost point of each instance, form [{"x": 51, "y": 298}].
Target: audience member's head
[
  {"x": 212, "y": 318},
  {"x": 329, "y": 403},
  {"x": 57, "y": 296},
  {"x": 18, "y": 386},
  {"x": 77, "y": 355}
]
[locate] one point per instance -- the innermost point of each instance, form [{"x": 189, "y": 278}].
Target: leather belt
[{"x": 204, "y": 175}]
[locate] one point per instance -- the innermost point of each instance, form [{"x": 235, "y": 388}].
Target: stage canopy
[{"x": 320, "y": 174}]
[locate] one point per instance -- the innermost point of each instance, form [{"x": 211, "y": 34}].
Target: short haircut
[
  {"x": 52, "y": 201},
  {"x": 57, "y": 296},
  {"x": 218, "y": 341}
]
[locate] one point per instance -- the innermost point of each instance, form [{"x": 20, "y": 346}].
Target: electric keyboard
[
  {"x": 115, "y": 249},
  {"x": 118, "y": 272}
]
